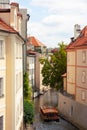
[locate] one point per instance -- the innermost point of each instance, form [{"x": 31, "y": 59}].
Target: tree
[
  {"x": 54, "y": 68},
  {"x": 27, "y": 88},
  {"x": 28, "y": 112},
  {"x": 28, "y": 103}
]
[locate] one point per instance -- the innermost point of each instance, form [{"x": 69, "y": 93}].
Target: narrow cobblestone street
[{"x": 49, "y": 97}]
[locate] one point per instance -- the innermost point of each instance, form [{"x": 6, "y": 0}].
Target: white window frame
[
  {"x": 1, "y": 122},
  {"x": 1, "y": 87},
  {"x": 17, "y": 82},
  {"x": 18, "y": 50},
  {"x": 83, "y": 95},
  {"x": 1, "y": 49},
  {"x": 84, "y": 56},
  {"x": 83, "y": 76}
]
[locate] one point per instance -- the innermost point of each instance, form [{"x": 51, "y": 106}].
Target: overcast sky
[{"x": 52, "y": 21}]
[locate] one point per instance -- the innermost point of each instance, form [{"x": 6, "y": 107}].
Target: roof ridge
[
  {"x": 37, "y": 42},
  {"x": 80, "y": 40}
]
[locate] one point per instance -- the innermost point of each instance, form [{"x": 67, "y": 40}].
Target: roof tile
[
  {"x": 80, "y": 41},
  {"x": 32, "y": 40},
  {"x": 5, "y": 27}
]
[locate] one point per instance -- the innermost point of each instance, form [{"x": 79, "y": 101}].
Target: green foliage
[
  {"x": 27, "y": 88},
  {"x": 28, "y": 112},
  {"x": 28, "y": 104},
  {"x": 54, "y": 68}
]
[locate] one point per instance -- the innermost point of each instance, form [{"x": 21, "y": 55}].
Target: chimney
[
  {"x": 72, "y": 39},
  {"x": 76, "y": 30}
]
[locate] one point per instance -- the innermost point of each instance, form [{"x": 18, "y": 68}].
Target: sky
[{"x": 52, "y": 21}]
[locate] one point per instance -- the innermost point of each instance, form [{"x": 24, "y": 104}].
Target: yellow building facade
[{"x": 11, "y": 69}]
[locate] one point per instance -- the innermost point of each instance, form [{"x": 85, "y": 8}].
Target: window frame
[
  {"x": 83, "y": 76},
  {"x": 83, "y": 95},
  {"x": 1, "y": 87},
  {"x": 2, "y": 49},
  {"x": 1, "y": 122},
  {"x": 84, "y": 56}
]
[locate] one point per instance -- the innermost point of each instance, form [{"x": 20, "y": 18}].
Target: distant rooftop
[{"x": 32, "y": 40}]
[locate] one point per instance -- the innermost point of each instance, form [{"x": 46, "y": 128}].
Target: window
[
  {"x": 19, "y": 81},
  {"x": 31, "y": 60},
  {"x": 1, "y": 123},
  {"x": 83, "y": 95},
  {"x": 1, "y": 49},
  {"x": 83, "y": 77},
  {"x": 18, "y": 50},
  {"x": 84, "y": 56},
  {"x": 1, "y": 87}
]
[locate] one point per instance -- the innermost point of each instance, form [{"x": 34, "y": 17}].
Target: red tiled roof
[
  {"x": 31, "y": 52},
  {"x": 32, "y": 40},
  {"x": 54, "y": 50},
  {"x": 81, "y": 41},
  {"x": 64, "y": 75},
  {"x": 5, "y": 27},
  {"x": 15, "y": 4}
]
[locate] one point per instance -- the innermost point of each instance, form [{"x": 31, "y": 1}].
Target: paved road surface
[{"x": 50, "y": 97}]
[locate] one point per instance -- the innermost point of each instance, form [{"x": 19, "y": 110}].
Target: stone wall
[{"x": 73, "y": 111}]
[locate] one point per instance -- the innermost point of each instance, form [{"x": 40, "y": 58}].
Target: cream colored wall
[
  {"x": 5, "y": 17},
  {"x": 73, "y": 111},
  {"x": 3, "y": 75},
  {"x": 19, "y": 25},
  {"x": 9, "y": 67},
  {"x": 71, "y": 72},
  {"x": 80, "y": 85},
  {"x": 79, "y": 82},
  {"x": 64, "y": 83},
  {"x": 10, "y": 84},
  {"x": 79, "y": 95},
  {"x": 13, "y": 17},
  {"x": 71, "y": 58},
  {"x": 19, "y": 92},
  {"x": 71, "y": 79},
  {"x": 70, "y": 88},
  {"x": 14, "y": 98},
  {"x": 79, "y": 57}
]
